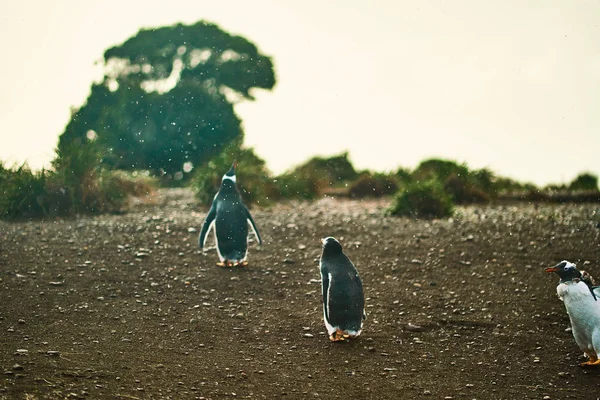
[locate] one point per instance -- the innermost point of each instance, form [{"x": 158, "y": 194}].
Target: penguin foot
[
  {"x": 242, "y": 264},
  {"x": 339, "y": 336},
  {"x": 225, "y": 264},
  {"x": 590, "y": 363}
]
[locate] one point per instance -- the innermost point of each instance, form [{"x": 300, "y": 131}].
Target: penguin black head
[
  {"x": 566, "y": 270},
  {"x": 331, "y": 246},
  {"x": 231, "y": 173}
]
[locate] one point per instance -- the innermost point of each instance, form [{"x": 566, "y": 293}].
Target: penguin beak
[{"x": 552, "y": 269}]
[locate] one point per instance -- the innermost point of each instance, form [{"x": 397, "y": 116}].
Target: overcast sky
[{"x": 509, "y": 85}]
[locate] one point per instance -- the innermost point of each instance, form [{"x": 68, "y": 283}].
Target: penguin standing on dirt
[
  {"x": 581, "y": 301},
  {"x": 343, "y": 296},
  {"x": 229, "y": 217}
]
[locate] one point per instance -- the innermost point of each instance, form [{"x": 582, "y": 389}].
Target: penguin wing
[
  {"x": 360, "y": 287},
  {"x": 210, "y": 218},
  {"x": 253, "y": 225},
  {"x": 325, "y": 289},
  {"x": 595, "y": 292}
]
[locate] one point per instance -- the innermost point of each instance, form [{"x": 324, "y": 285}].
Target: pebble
[
  {"x": 414, "y": 328},
  {"x": 53, "y": 353},
  {"x": 308, "y": 335},
  {"x": 415, "y": 261},
  {"x": 192, "y": 230}
]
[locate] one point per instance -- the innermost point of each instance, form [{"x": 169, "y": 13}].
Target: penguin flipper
[
  {"x": 595, "y": 292},
  {"x": 253, "y": 226},
  {"x": 325, "y": 290},
  {"x": 208, "y": 222}
]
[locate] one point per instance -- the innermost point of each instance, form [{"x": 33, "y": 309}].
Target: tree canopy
[{"x": 167, "y": 97}]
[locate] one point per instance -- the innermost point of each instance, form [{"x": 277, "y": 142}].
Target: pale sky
[{"x": 509, "y": 85}]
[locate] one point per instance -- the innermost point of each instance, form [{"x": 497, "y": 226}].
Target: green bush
[
  {"x": 464, "y": 191},
  {"x": 373, "y": 185},
  {"x": 290, "y": 186},
  {"x": 253, "y": 179},
  {"x": 439, "y": 169},
  {"x": 22, "y": 192},
  {"x": 314, "y": 176},
  {"x": 86, "y": 187},
  {"x": 76, "y": 184},
  {"x": 585, "y": 181},
  {"x": 403, "y": 176},
  {"x": 422, "y": 200}
]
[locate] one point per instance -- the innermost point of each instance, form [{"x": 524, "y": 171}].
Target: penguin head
[
  {"x": 230, "y": 175},
  {"x": 331, "y": 246},
  {"x": 566, "y": 270}
]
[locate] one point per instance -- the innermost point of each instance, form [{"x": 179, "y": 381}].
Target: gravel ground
[{"x": 125, "y": 306}]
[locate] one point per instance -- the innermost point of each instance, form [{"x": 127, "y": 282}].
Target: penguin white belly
[{"x": 584, "y": 313}]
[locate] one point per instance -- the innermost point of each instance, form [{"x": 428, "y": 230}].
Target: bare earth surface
[{"x": 125, "y": 306}]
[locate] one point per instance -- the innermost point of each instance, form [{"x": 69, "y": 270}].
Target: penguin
[
  {"x": 343, "y": 296},
  {"x": 230, "y": 218},
  {"x": 583, "y": 307}
]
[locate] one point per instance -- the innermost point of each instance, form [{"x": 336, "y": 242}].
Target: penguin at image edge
[
  {"x": 229, "y": 218},
  {"x": 343, "y": 296},
  {"x": 576, "y": 290}
]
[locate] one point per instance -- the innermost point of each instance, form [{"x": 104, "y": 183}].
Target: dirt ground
[{"x": 126, "y": 307}]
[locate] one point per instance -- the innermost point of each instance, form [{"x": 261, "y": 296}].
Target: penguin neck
[
  {"x": 331, "y": 252},
  {"x": 228, "y": 189},
  {"x": 575, "y": 293}
]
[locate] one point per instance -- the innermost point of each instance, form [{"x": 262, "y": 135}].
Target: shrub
[
  {"x": 22, "y": 192},
  {"x": 439, "y": 169},
  {"x": 373, "y": 185},
  {"x": 422, "y": 200},
  {"x": 404, "y": 176},
  {"x": 76, "y": 184},
  {"x": 290, "y": 185},
  {"x": 253, "y": 179},
  {"x": 310, "y": 179},
  {"x": 463, "y": 191},
  {"x": 585, "y": 181}
]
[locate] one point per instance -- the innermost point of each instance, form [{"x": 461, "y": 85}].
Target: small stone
[
  {"x": 17, "y": 367},
  {"x": 288, "y": 261},
  {"x": 308, "y": 335},
  {"x": 192, "y": 230},
  {"x": 53, "y": 353},
  {"x": 22, "y": 352},
  {"x": 415, "y": 261},
  {"x": 56, "y": 283},
  {"x": 414, "y": 328}
]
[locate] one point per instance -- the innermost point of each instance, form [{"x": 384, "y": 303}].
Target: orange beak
[{"x": 552, "y": 269}]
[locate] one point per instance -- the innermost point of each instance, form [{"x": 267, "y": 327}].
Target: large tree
[{"x": 167, "y": 97}]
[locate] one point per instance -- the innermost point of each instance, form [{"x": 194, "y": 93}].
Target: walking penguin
[
  {"x": 230, "y": 218},
  {"x": 343, "y": 296},
  {"x": 576, "y": 290}
]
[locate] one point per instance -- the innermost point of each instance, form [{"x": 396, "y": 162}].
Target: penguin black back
[{"x": 343, "y": 296}]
